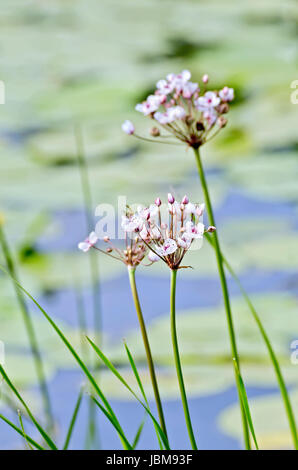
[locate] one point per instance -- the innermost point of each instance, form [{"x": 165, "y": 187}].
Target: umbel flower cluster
[
  {"x": 165, "y": 231},
  {"x": 184, "y": 110},
  {"x": 168, "y": 233},
  {"x": 132, "y": 255}
]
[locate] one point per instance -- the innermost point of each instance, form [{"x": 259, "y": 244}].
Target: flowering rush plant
[
  {"x": 168, "y": 233},
  {"x": 184, "y": 110}
]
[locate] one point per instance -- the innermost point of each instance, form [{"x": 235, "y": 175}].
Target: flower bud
[
  {"x": 205, "y": 78},
  {"x": 106, "y": 239},
  {"x": 200, "y": 126},
  {"x": 189, "y": 120},
  {"x": 109, "y": 250},
  {"x": 158, "y": 202},
  {"x": 211, "y": 229},
  {"x": 221, "y": 121},
  {"x": 128, "y": 127},
  {"x": 171, "y": 198},
  {"x": 154, "y": 132},
  {"x": 185, "y": 200},
  {"x": 223, "y": 108}
]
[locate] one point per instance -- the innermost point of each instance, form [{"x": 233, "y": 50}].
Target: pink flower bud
[
  {"x": 158, "y": 201},
  {"x": 128, "y": 127},
  {"x": 171, "y": 198},
  {"x": 185, "y": 200},
  {"x": 211, "y": 229},
  {"x": 205, "y": 78}
]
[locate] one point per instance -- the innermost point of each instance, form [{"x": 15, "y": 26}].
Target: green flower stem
[
  {"x": 223, "y": 281},
  {"x": 177, "y": 360},
  {"x": 39, "y": 366},
  {"x": 274, "y": 360},
  {"x": 132, "y": 280}
]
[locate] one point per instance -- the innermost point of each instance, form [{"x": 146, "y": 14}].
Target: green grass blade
[
  {"x": 114, "y": 423},
  {"x": 30, "y": 330},
  {"x": 123, "y": 381},
  {"x": 19, "y": 431},
  {"x": 14, "y": 390},
  {"x": 135, "y": 371},
  {"x": 70, "y": 348},
  {"x": 73, "y": 419},
  {"x": 272, "y": 355},
  {"x": 139, "y": 432},
  {"x": 245, "y": 404},
  {"x": 138, "y": 379},
  {"x": 23, "y": 430}
]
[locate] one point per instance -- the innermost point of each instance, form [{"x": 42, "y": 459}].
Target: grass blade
[
  {"x": 19, "y": 431},
  {"x": 138, "y": 379},
  {"x": 272, "y": 355},
  {"x": 123, "y": 381},
  {"x": 71, "y": 349},
  {"x": 138, "y": 433},
  {"x": 40, "y": 429},
  {"x": 35, "y": 350},
  {"x": 245, "y": 404},
  {"x": 73, "y": 419},
  {"x": 114, "y": 423},
  {"x": 23, "y": 430},
  {"x": 135, "y": 371}
]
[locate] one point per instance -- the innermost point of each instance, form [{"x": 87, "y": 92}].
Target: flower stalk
[
  {"x": 39, "y": 366},
  {"x": 177, "y": 360},
  {"x": 132, "y": 280},
  {"x": 223, "y": 281}
]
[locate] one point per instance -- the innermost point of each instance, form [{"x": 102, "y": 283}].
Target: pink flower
[
  {"x": 88, "y": 243},
  {"x": 132, "y": 224},
  {"x": 184, "y": 242},
  {"x": 128, "y": 127},
  {"x": 205, "y": 78},
  {"x": 226, "y": 94},
  {"x": 172, "y": 114},
  {"x": 194, "y": 231},
  {"x": 210, "y": 117},
  {"x": 195, "y": 209},
  {"x": 150, "y": 105},
  {"x": 158, "y": 201},
  {"x": 164, "y": 87},
  {"x": 153, "y": 257},
  {"x": 189, "y": 89},
  {"x": 169, "y": 247},
  {"x": 163, "y": 118},
  {"x": 208, "y": 101}
]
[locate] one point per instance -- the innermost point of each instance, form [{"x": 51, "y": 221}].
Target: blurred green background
[{"x": 67, "y": 63}]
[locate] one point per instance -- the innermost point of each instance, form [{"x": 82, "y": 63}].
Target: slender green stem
[
  {"x": 132, "y": 280},
  {"x": 274, "y": 360},
  {"x": 225, "y": 292},
  {"x": 87, "y": 197},
  {"x": 92, "y": 433},
  {"x": 177, "y": 360},
  {"x": 73, "y": 419},
  {"x": 39, "y": 366}
]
